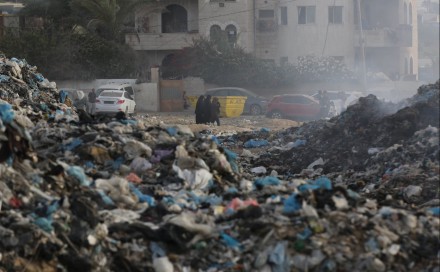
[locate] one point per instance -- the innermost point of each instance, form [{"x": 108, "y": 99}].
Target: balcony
[
  {"x": 400, "y": 36},
  {"x": 161, "y": 41}
]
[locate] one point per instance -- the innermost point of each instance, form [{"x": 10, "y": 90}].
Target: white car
[{"x": 113, "y": 101}]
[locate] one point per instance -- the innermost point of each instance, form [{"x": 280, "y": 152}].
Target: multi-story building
[
  {"x": 429, "y": 36},
  {"x": 380, "y": 35}
]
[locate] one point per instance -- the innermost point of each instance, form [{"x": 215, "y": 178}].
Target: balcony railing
[
  {"x": 400, "y": 36},
  {"x": 160, "y": 41}
]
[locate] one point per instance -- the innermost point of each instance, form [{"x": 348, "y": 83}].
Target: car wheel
[
  {"x": 256, "y": 110},
  {"x": 276, "y": 115}
]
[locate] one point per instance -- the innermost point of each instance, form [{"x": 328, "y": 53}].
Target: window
[
  {"x": 306, "y": 15},
  {"x": 129, "y": 90},
  {"x": 215, "y": 33},
  {"x": 283, "y": 15},
  {"x": 233, "y": 92},
  {"x": 410, "y": 14},
  {"x": 284, "y": 61},
  {"x": 128, "y": 96},
  {"x": 175, "y": 19},
  {"x": 231, "y": 32},
  {"x": 266, "y": 14},
  {"x": 335, "y": 15},
  {"x": 223, "y": 92}
]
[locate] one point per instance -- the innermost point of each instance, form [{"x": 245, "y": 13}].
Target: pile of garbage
[{"x": 119, "y": 195}]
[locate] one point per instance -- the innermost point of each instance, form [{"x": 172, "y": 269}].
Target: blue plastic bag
[
  {"x": 279, "y": 259},
  {"x": 255, "y": 143},
  {"x": 63, "y": 96},
  {"x": 292, "y": 204},
  {"x": 78, "y": 173},
  {"x": 269, "y": 180},
  {"x": 6, "y": 113},
  {"x": 435, "y": 210},
  {"x": 299, "y": 143},
  {"x": 229, "y": 241},
  {"x": 232, "y": 159},
  {"x": 319, "y": 183},
  {"x": 172, "y": 131},
  {"x": 142, "y": 198},
  {"x": 72, "y": 145}
]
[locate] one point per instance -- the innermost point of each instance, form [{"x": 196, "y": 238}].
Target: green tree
[
  {"x": 221, "y": 62},
  {"x": 64, "y": 48},
  {"x": 108, "y": 18}
]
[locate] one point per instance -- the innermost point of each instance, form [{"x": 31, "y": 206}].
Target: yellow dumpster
[
  {"x": 192, "y": 99},
  {"x": 230, "y": 106}
]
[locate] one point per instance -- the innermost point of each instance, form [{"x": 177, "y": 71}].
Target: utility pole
[{"x": 362, "y": 45}]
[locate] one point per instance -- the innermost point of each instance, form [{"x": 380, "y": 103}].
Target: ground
[{"x": 228, "y": 125}]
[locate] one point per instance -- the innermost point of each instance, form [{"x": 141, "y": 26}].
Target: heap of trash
[{"x": 116, "y": 194}]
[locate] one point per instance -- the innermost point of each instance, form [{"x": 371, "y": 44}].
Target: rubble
[{"x": 118, "y": 194}]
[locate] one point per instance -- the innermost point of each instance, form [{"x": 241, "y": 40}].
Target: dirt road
[{"x": 228, "y": 125}]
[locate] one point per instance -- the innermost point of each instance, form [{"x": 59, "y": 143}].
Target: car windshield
[
  {"x": 111, "y": 94},
  {"x": 99, "y": 91}
]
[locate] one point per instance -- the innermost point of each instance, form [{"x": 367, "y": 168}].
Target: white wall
[
  {"x": 147, "y": 97},
  {"x": 308, "y": 39}
]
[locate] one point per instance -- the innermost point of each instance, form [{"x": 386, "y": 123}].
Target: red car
[{"x": 294, "y": 106}]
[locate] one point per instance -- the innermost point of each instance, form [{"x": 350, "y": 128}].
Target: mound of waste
[{"x": 122, "y": 195}]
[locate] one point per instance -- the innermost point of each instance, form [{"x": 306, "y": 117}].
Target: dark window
[
  {"x": 234, "y": 92},
  {"x": 231, "y": 32},
  {"x": 127, "y": 95},
  {"x": 306, "y": 15},
  {"x": 129, "y": 90},
  {"x": 223, "y": 92},
  {"x": 215, "y": 33},
  {"x": 266, "y": 14},
  {"x": 335, "y": 15},
  {"x": 283, "y": 15},
  {"x": 174, "y": 19}
]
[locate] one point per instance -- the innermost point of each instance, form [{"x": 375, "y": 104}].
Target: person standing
[
  {"x": 324, "y": 102},
  {"x": 185, "y": 101},
  {"x": 91, "y": 102},
  {"x": 199, "y": 109},
  {"x": 207, "y": 110},
  {"x": 215, "y": 111}
]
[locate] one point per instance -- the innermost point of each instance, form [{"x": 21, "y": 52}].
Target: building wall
[
  {"x": 238, "y": 13},
  {"x": 147, "y": 97},
  {"x": 293, "y": 40},
  {"x": 319, "y": 38},
  {"x": 151, "y": 15}
]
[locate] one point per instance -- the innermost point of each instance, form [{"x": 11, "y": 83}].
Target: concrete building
[
  {"x": 283, "y": 30},
  {"x": 429, "y": 36}
]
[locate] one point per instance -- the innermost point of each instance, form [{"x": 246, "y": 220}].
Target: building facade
[{"x": 380, "y": 35}]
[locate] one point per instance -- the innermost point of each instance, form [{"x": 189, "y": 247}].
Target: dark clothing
[
  {"x": 215, "y": 112},
  {"x": 207, "y": 110},
  {"x": 92, "y": 97},
  {"x": 199, "y": 110},
  {"x": 324, "y": 102}
]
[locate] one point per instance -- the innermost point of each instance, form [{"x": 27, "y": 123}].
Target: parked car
[
  {"x": 115, "y": 97},
  {"x": 293, "y": 106},
  {"x": 254, "y": 104}
]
